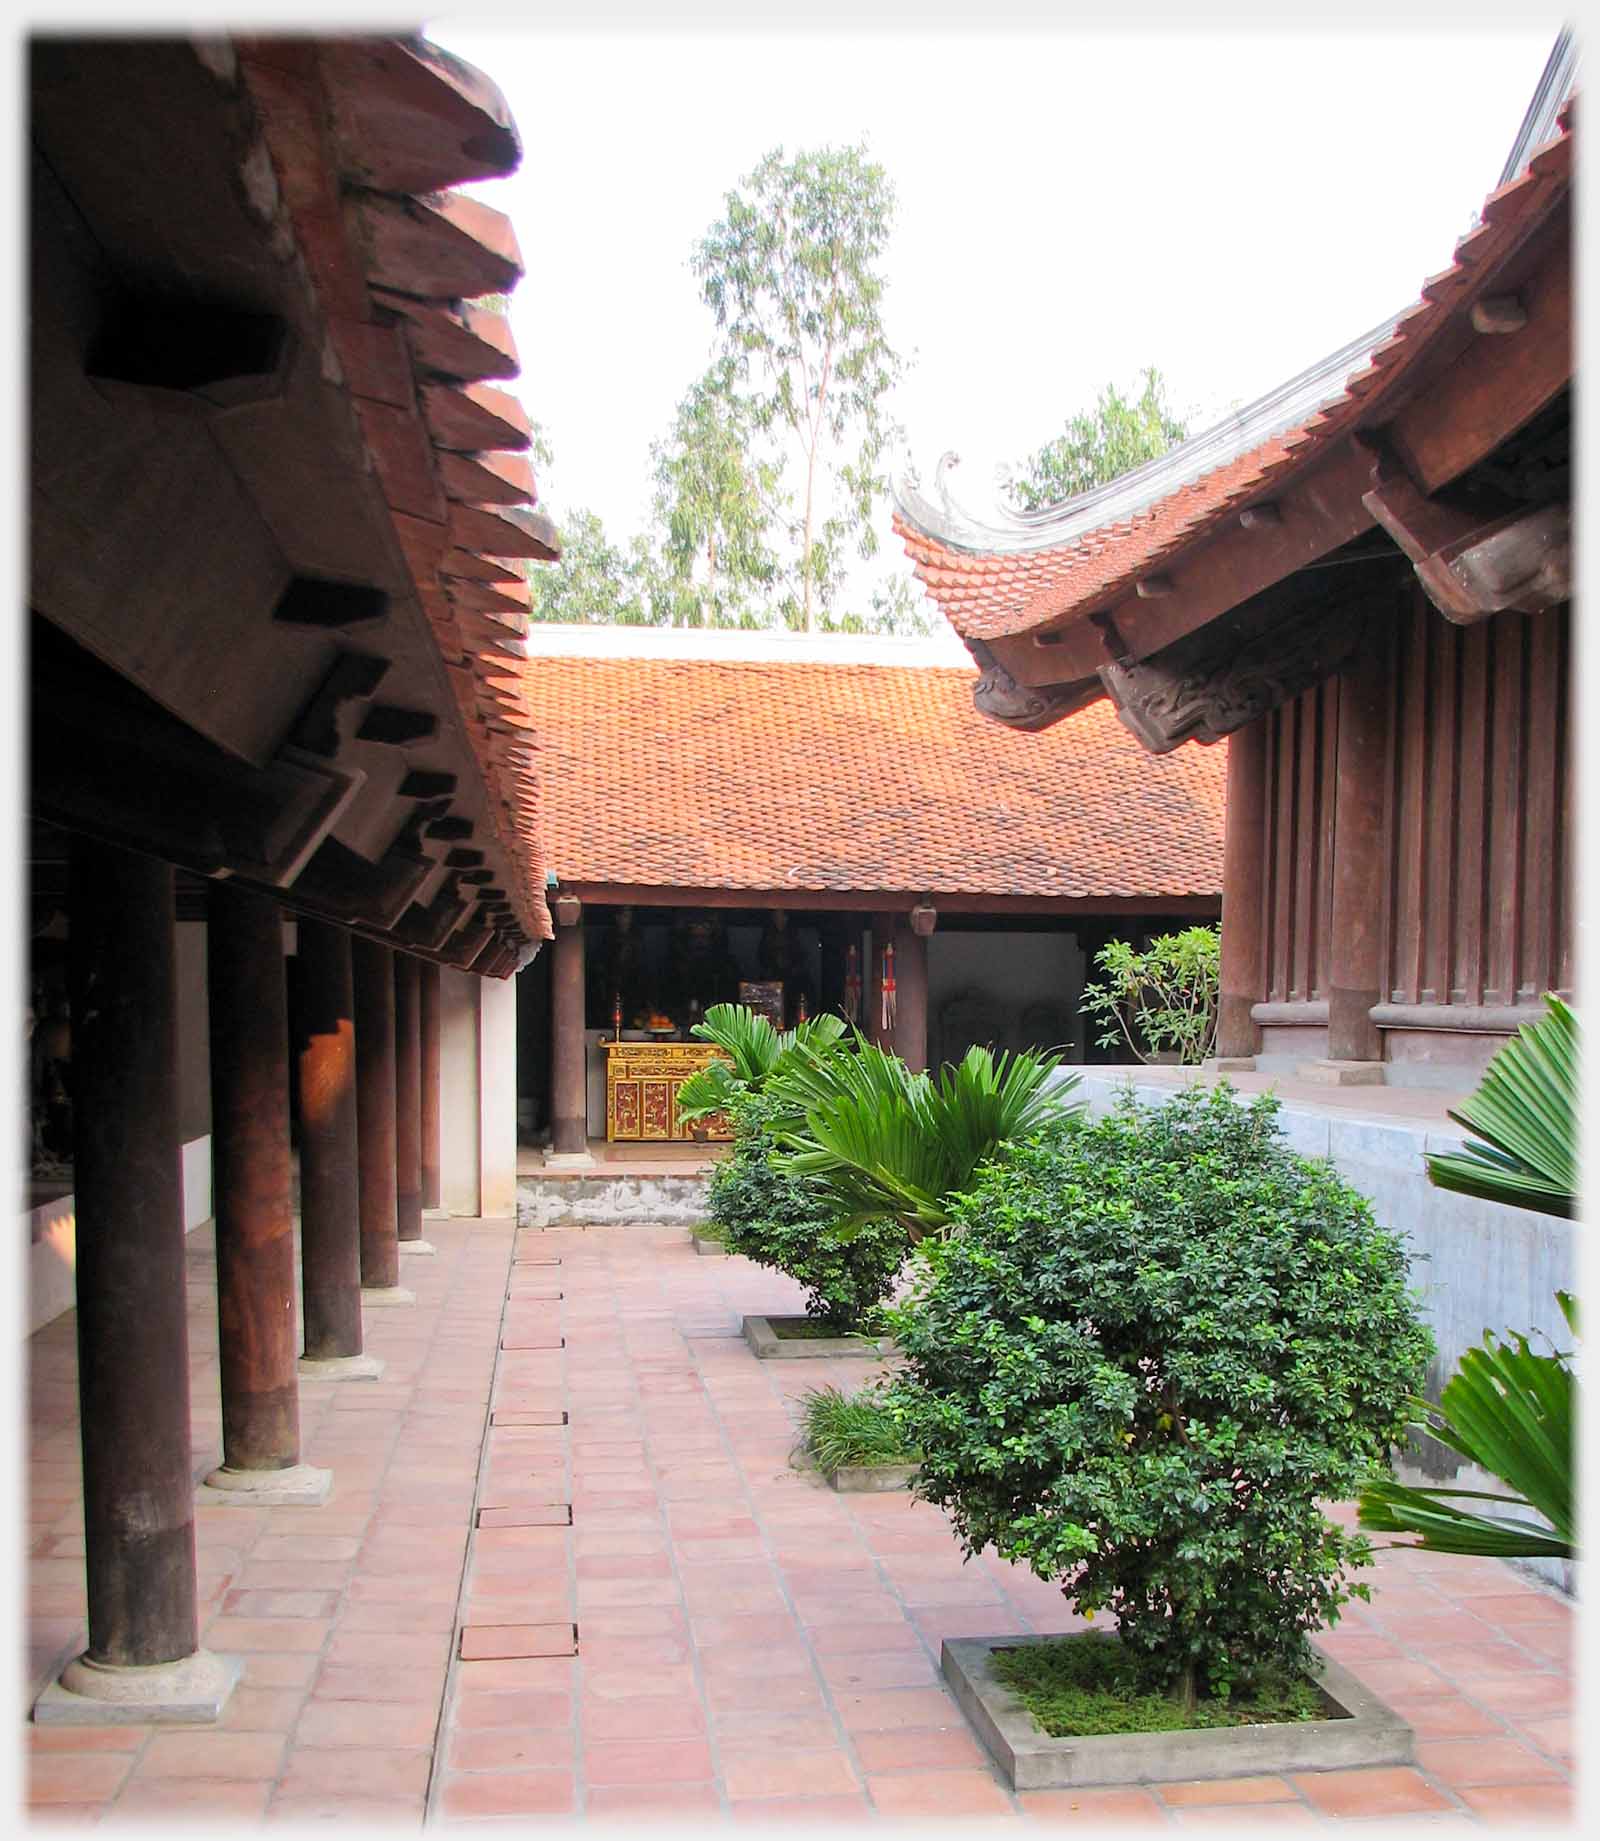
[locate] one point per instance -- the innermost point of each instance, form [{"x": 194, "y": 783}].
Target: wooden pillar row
[
  {"x": 143, "y": 1659},
  {"x": 428, "y": 1011},
  {"x": 1355, "y": 973},
  {"x": 330, "y": 1201},
  {"x": 569, "y": 1078},
  {"x": 257, "y": 1331},
  {"x": 1243, "y": 961},
  {"x": 373, "y": 976},
  {"x": 408, "y": 1104},
  {"x": 911, "y": 977}
]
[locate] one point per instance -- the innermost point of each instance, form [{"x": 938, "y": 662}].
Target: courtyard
[{"x": 751, "y": 1644}]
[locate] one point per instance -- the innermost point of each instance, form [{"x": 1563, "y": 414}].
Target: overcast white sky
[{"x": 1073, "y": 205}]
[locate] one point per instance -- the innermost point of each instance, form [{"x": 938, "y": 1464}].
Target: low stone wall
[
  {"x": 1477, "y": 1265},
  {"x": 611, "y": 1201}
]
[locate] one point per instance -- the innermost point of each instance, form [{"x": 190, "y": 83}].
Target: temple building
[
  {"x": 1362, "y": 583},
  {"x": 795, "y": 822}
]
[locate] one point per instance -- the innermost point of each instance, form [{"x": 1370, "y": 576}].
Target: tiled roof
[
  {"x": 1024, "y": 580},
  {"x": 747, "y": 774},
  {"x": 394, "y": 254}
]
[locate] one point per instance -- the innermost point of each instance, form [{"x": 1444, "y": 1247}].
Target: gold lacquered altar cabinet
[{"x": 642, "y": 1082}]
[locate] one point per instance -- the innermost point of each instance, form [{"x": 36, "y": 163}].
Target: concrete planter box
[
  {"x": 709, "y": 1249},
  {"x": 770, "y": 1346},
  {"x": 870, "y": 1478},
  {"x": 1032, "y": 1760}
]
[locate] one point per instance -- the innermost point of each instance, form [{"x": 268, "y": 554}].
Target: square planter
[
  {"x": 709, "y": 1249},
  {"x": 869, "y": 1478},
  {"x": 770, "y": 1346},
  {"x": 1031, "y": 1760}
]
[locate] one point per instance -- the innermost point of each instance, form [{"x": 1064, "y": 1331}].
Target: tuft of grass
[
  {"x": 843, "y": 1430},
  {"x": 1081, "y": 1685}
]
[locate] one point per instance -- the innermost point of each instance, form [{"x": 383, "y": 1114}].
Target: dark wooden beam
[
  {"x": 879, "y": 901},
  {"x": 310, "y": 602}
]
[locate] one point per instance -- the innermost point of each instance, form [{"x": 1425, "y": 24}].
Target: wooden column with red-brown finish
[
  {"x": 1243, "y": 967},
  {"x": 407, "y": 1099},
  {"x": 428, "y": 1011},
  {"x": 372, "y": 967},
  {"x": 883, "y": 926},
  {"x": 1355, "y": 943},
  {"x": 569, "y": 1081},
  {"x": 133, "y": 1336},
  {"x": 330, "y": 1197},
  {"x": 251, "y": 1180},
  {"x": 911, "y": 999}
]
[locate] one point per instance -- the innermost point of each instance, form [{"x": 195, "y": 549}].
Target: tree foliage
[
  {"x": 1161, "y": 998},
  {"x": 1100, "y": 445},
  {"x": 783, "y": 1221},
  {"x": 880, "y": 1140},
  {"x": 792, "y": 273},
  {"x": 713, "y": 505},
  {"x": 595, "y": 583},
  {"x": 1150, "y": 1349}
]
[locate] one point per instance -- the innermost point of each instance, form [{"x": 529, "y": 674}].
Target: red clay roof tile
[{"x": 705, "y": 773}]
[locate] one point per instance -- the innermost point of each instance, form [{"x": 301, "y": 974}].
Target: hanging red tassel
[
  {"x": 888, "y": 989},
  {"x": 852, "y": 984}
]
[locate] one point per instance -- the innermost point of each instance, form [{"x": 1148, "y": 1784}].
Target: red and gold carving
[{"x": 642, "y": 1082}]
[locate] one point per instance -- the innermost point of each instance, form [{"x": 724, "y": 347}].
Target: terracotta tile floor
[{"x": 751, "y": 1645}]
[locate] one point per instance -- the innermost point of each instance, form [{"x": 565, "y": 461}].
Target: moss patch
[{"x": 1084, "y": 1685}]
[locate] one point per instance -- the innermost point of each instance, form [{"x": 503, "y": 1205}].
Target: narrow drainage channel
[{"x": 534, "y": 1263}]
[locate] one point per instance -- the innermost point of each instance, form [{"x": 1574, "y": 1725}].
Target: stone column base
[
  {"x": 418, "y": 1248},
  {"x": 1228, "y": 1064},
  {"x": 437, "y": 1214},
  {"x": 1342, "y": 1073},
  {"x": 341, "y": 1367},
  {"x": 384, "y": 1296},
  {"x": 569, "y": 1160},
  {"x": 302, "y": 1484},
  {"x": 189, "y": 1692}
]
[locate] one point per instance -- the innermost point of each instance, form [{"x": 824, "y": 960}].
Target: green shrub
[
  {"x": 786, "y": 1222},
  {"x": 1149, "y": 1348},
  {"x": 847, "y": 1429},
  {"x": 1161, "y": 999}
]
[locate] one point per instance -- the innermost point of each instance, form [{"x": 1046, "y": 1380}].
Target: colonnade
[{"x": 367, "y": 1053}]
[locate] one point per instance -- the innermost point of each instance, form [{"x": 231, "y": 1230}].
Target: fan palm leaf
[
  {"x": 1524, "y": 1115},
  {"x": 1510, "y": 1411}
]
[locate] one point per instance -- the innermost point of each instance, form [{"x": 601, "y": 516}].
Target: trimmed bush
[
  {"x": 788, "y": 1223},
  {"x": 1147, "y": 1352}
]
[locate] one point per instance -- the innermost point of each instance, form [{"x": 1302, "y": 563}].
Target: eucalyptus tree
[
  {"x": 1100, "y": 444},
  {"x": 792, "y": 271},
  {"x": 714, "y": 504}
]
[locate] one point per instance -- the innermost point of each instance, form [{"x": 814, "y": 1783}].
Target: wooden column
[
  {"x": 407, "y": 1099},
  {"x": 372, "y": 967},
  {"x": 1243, "y": 872},
  {"x": 911, "y": 976},
  {"x": 1355, "y": 941},
  {"x": 250, "y": 1181},
  {"x": 428, "y": 1010},
  {"x": 569, "y": 1082},
  {"x": 133, "y": 1337},
  {"x": 330, "y": 1205},
  {"x": 872, "y": 983}
]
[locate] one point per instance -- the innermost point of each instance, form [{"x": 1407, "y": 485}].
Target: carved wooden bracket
[
  {"x": 1470, "y": 566},
  {"x": 1000, "y": 697},
  {"x": 1165, "y": 708}
]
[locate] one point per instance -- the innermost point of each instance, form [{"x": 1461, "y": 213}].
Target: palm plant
[
  {"x": 1510, "y": 1412},
  {"x": 1506, "y": 1409},
  {"x": 1525, "y": 1112},
  {"x": 754, "y": 1050},
  {"x": 882, "y": 1141}
]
